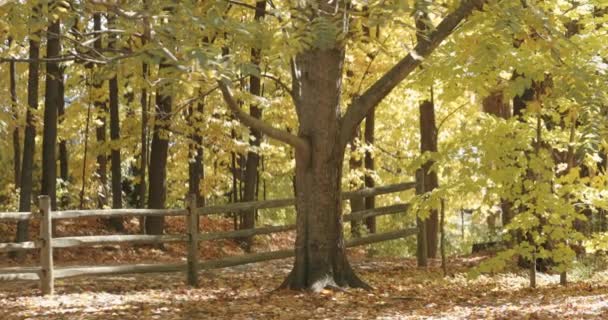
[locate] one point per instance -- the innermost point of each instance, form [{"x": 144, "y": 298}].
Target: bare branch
[
  {"x": 254, "y": 123},
  {"x": 27, "y": 60},
  {"x": 280, "y": 83},
  {"x": 449, "y": 116},
  {"x": 360, "y": 106}
]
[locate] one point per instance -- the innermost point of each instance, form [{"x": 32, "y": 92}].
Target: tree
[
  {"x": 16, "y": 140},
  {"x": 196, "y": 168},
  {"x": 51, "y": 106},
  {"x": 63, "y": 145},
  {"x": 100, "y": 132},
  {"x": 370, "y": 167},
  {"x": 428, "y": 143},
  {"x": 157, "y": 192},
  {"x": 323, "y": 135},
  {"x": 144, "y": 138},
  {"x": 355, "y": 164},
  {"x": 116, "y": 222},
  {"x": 29, "y": 142},
  {"x": 253, "y": 157}
]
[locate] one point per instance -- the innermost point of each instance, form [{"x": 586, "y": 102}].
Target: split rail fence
[{"x": 46, "y": 273}]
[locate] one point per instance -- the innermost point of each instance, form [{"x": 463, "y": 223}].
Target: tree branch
[
  {"x": 360, "y": 106},
  {"x": 281, "y": 84},
  {"x": 254, "y": 123}
]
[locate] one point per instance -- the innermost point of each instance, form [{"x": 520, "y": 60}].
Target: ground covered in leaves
[
  {"x": 401, "y": 291},
  {"x": 248, "y": 292}
]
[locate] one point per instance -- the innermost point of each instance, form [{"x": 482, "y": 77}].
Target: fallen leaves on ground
[{"x": 402, "y": 291}]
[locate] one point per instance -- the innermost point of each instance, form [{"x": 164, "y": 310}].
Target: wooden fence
[{"x": 45, "y": 243}]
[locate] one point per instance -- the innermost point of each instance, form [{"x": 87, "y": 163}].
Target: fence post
[
  {"x": 47, "y": 280},
  {"x": 192, "y": 223}
]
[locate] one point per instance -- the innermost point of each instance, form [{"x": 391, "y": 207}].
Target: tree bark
[
  {"x": 115, "y": 222},
  {"x": 158, "y": 156},
  {"x": 15, "y": 111},
  {"x": 63, "y": 147},
  {"x": 421, "y": 243},
  {"x": 370, "y": 202},
  {"x": 29, "y": 143},
  {"x": 196, "y": 167},
  {"x": 320, "y": 252},
  {"x": 100, "y": 133},
  {"x": 144, "y": 100},
  {"x": 428, "y": 143},
  {"x": 83, "y": 185},
  {"x": 496, "y": 105},
  {"x": 51, "y": 101},
  {"x": 322, "y": 137},
  {"x": 253, "y": 158},
  {"x": 143, "y": 157},
  {"x": 356, "y": 203}
]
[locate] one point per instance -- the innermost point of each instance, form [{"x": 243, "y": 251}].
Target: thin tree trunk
[
  {"x": 16, "y": 139},
  {"x": 356, "y": 203},
  {"x": 157, "y": 177},
  {"x": 196, "y": 169},
  {"x": 116, "y": 222},
  {"x": 29, "y": 143},
  {"x": 444, "y": 262},
  {"x": 428, "y": 134},
  {"x": 421, "y": 239},
  {"x": 370, "y": 202},
  {"x": 234, "y": 194},
  {"x": 428, "y": 143},
  {"x": 84, "y": 157},
  {"x": 100, "y": 106},
  {"x": 253, "y": 158},
  {"x": 536, "y": 178},
  {"x": 63, "y": 148},
  {"x": 143, "y": 157},
  {"x": 144, "y": 100},
  {"x": 51, "y": 101}
]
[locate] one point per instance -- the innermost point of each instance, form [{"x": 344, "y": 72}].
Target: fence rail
[{"x": 46, "y": 273}]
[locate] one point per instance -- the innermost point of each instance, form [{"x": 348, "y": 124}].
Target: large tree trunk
[
  {"x": 428, "y": 143},
  {"x": 158, "y": 157},
  {"x": 51, "y": 101},
  {"x": 116, "y": 222},
  {"x": 29, "y": 143},
  {"x": 320, "y": 253}
]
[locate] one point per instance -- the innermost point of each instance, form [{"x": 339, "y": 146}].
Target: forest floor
[{"x": 401, "y": 290}]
